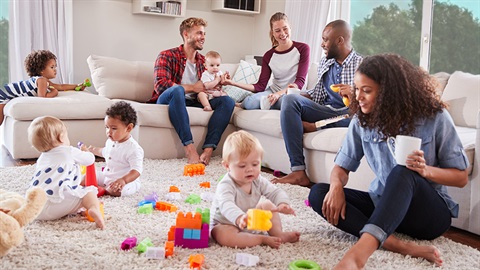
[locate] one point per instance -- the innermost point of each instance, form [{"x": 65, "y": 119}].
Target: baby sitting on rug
[{"x": 240, "y": 190}]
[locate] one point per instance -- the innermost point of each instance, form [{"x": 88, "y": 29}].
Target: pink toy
[
  {"x": 277, "y": 173},
  {"x": 307, "y": 203},
  {"x": 129, "y": 243}
]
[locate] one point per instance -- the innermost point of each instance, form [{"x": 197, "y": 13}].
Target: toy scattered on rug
[
  {"x": 129, "y": 243},
  {"x": 277, "y": 173},
  {"x": 191, "y": 229},
  {"x": 15, "y": 213},
  {"x": 196, "y": 261},
  {"x": 194, "y": 169},
  {"x": 86, "y": 83},
  {"x": 146, "y": 246},
  {"x": 207, "y": 196},
  {"x": 102, "y": 211},
  {"x": 173, "y": 189},
  {"x": 307, "y": 203},
  {"x": 259, "y": 220},
  {"x": 193, "y": 199},
  {"x": 91, "y": 174},
  {"x": 303, "y": 264},
  {"x": 205, "y": 184},
  {"x": 246, "y": 259}
]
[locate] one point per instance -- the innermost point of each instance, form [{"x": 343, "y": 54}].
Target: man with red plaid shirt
[{"x": 177, "y": 83}]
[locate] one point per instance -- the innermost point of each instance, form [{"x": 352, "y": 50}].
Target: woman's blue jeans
[
  {"x": 223, "y": 106},
  {"x": 253, "y": 102},
  {"x": 409, "y": 205},
  {"x": 295, "y": 109}
]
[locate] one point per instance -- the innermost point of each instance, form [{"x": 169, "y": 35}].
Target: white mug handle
[{"x": 390, "y": 146}]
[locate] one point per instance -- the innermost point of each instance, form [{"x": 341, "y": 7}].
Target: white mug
[{"x": 404, "y": 146}]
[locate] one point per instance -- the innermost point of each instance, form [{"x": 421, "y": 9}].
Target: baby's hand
[
  {"x": 242, "y": 221},
  {"x": 285, "y": 209}
]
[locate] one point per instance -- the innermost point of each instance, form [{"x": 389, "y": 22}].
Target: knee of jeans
[
  {"x": 178, "y": 90},
  {"x": 317, "y": 195}
]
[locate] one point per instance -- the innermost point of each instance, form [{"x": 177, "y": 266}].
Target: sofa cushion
[
  {"x": 246, "y": 73},
  {"x": 263, "y": 121},
  {"x": 122, "y": 79},
  {"x": 462, "y": 93},
  {"x": 71, "y": 105}
]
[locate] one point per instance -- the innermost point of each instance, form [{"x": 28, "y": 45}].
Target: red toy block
[
  {"x": 189, "y": 220},
  {"x": 194, "y": 169},
  {"x": 192, "y": 243},
  {"x": 174, "y": 189},
  {"x": 169, "y": 248},
  {"x": 196, "y": 261},
  {"x": 164, "y": 206},
  {"x": 205, "y": 184},
  {"x": 91, "y": 180}
]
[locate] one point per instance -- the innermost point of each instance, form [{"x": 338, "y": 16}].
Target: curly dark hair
[
  {"x": 406, "y": 94},
  {"x": 124, "y": 112},
  {"x": 37, "y": 61}
]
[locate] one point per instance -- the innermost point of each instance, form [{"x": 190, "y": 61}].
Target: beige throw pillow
[{"x": 245, "y": 73}]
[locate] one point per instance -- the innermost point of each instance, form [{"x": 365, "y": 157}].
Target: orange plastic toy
[
  {"x": 164, "y": 206},
  {"x": 91, "y": 218},
  {"x": 205, "y": 184},
  {"x": 194, "y": 169},
  {"x": 91, "y": 180},
  {"x": 174, "y": 189},
  {"x": 196, "y": 261},
  {"x": 189, "y": 221},
  {"x": 259, "y": 220},
  {"x": 169, "y": 248},
  {"x": 335, "y": 89}
]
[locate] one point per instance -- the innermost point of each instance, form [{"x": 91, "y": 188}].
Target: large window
[
  {"x": 381, "y": 26},
  {"x": 3, "y": 43}
]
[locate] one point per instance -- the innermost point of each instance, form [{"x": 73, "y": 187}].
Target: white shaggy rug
[{"x": 75, "y": 243}]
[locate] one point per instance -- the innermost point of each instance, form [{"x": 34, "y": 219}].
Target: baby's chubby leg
[
  {"x": 92, "y": 204},
  {"x": 277, "y": 229},
  {"x": 231, "y": 236}
]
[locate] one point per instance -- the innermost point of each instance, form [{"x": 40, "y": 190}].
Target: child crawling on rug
[
  {"x": 123, "y": 155},
  {"x": 241, "y": 189},
  {"x": 58, "y": 173}
]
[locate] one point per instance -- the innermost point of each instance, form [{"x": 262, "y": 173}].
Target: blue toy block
[
  {"x": 195, "y": 235},
  {"x": 187, "y": 233}
]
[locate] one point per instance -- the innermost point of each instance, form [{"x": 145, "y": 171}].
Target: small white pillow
[{"x": 245, "y": 73}]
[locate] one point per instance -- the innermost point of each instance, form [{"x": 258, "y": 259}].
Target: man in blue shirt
[{"x": 300, "y": 112}]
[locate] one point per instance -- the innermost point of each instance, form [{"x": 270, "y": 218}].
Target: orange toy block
[
  {"x": 205, "y": 184},
  {"x": 173, "y": 189},
  {"x": 169, "y": 248},
  {"x": 189, "y": 220},
  {"x": 91, "y": 218},
  {"x": 171, "y": 234},
  {"x": 196, "y": 261},
  {"x": 164, "y": 206},
  {"x": 194, "y": 169},
  {"x": 259, "y": 220}
]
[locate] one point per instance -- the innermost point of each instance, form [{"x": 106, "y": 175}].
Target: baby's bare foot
[
  {"x": 97, "y": 217},
  {"x": 290, "y": 237},
  {"x": 272, "y": 241}
]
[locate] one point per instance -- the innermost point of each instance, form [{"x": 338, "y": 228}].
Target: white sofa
[{"x": 117, "y": 79}]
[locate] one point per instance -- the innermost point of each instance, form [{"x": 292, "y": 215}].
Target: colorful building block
[
  {"x": 142, "y": 246},
  {"x": 173, "y": 189},
  {"x": 151, "y": 197},
  {"x": 147, "y": 202},
  {"x": 169, "y": 248},
  {"x": 189, "y": 220},
  {"x": 246, "y": 259},
  {"x": 173, "y": 196},
  {"x": 164, "y": 206},
  {"x": 145, "y": 209},
  {"x": 205, "y": 214},
  {"x": 205, "y": 184},
  {"x": 259, "y": 220},
  {"x": 193, "y": 199},
  {"x": 207, "y": 196},
  {"x": 194, "y": 169},
  {"x": 202, "y": 242},
  {"x": 91, "y": 179},
  {"x": 196, "y": 261},
  {"x": 171, "y": 234},
  {"x": 129, "y": 243},
  {"x": 156, "y": 253}
]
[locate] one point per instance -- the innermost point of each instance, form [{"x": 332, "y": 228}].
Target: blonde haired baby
[
  {"x": 57, "y": 171},
  {"x": 241, "y": 189}
]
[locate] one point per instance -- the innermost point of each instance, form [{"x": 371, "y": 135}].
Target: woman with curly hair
[
  {"x": 393, "y": 97},
  {"x": 41, "y": 66}
]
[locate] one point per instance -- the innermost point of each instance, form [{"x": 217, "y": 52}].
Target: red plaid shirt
[{"x": 169, "y": 68}]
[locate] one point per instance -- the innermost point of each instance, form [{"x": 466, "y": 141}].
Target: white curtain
[
  {"x": 41, "y": 25},
  {"x": 309, "y": 17}
]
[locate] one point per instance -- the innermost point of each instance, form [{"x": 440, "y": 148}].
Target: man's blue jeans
[
  {"x": 223, "y": 106},
  {"x": 409, "y": 205},
  {"x": 295, "y": 109}
]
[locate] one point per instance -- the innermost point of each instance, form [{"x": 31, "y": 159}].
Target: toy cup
[{"x": 402, "y": 147}]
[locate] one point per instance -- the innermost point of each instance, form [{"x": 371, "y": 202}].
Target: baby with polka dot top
[{"x": 58, "y": 172}]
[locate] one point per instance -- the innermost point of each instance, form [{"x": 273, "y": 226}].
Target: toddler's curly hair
[
  {"x": 36, "y": 61},
  {"x": 124, "y": 112}
]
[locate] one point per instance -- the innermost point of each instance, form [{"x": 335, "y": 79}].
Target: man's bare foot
[
  {"x": 97, "y": 216},
  {"x": 308, "y": 127},
  {"x": 290, "y": 237},
  {"x": 207, "y": 108},
  {"x": 294, "y": 178},
  {"x": 206, "y": 155},
  {"x": 191, "y": 153},
  {"x": 272, "y": 241}
]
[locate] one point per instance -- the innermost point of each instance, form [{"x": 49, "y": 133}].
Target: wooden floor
[{"x": 454, "y": 234}]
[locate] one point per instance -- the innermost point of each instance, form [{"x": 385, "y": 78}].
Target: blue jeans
[
  {"x": 253, "y": 102},
  {"x": 409, "y": 205},
  {"x": 295, "y": 109},
  {"x": 174, "y": 97}
]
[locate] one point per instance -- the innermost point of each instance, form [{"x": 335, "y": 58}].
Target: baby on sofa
[{"x": 212, "y": 79}]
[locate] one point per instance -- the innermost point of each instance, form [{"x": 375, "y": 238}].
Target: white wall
[{"x": 108, "y": 28}]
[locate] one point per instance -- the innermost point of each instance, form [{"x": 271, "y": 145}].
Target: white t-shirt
[{"x": 190, "y": 77}]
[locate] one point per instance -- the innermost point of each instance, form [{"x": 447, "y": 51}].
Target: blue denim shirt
[{"x": 440, "y": 143}]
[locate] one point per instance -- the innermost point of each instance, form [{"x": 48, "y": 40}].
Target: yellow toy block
[
  {"x": 259, "y": 220},
  {"x": 194, "y": 169}
]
